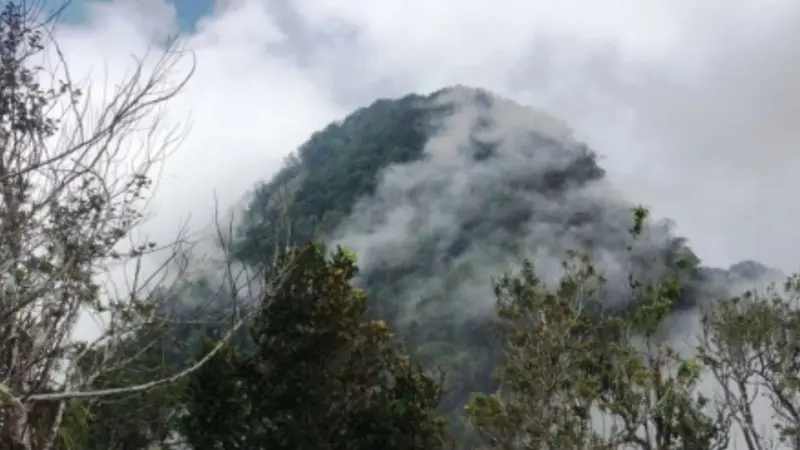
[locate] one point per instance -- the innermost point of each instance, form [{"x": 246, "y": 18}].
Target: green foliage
[
  {"x": 164, "y": 345},
  {"x": 319, "y": 186},
  {"x": 217, "y": 409},
  {"x": 129, "y": 421},
  {"x": 751, "y": 347},
  {"x": 566, "y": 371},
  {"x": 322, "y": 376},
  {"x": 319, "y": 374}
]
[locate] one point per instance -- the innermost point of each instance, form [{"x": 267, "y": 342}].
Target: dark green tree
[
  {"x": 322, "y": 376},
  {"x": 130, "y": 421},
  {"x": 188, "y": 324}
]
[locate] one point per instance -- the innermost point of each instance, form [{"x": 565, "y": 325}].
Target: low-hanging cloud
[
  {"x": 499, "y": 183},
  {"x": 690, "y": 105},
  {"x": 682, "y": 98}
]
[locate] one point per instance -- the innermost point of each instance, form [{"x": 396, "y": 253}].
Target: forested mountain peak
[{"x": 437, "y": 193}]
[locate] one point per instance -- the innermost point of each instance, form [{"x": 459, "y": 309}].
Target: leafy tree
[
  {"x": 136, "y": 420},
  {"x": 751, "y": 346},
  {"x": 575, "y": 379},
  {"x": 188, "y": 326},
  {"x": 321, "y": 375}
]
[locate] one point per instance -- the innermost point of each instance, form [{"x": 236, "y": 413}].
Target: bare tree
[{"x": 71, "y": 194}]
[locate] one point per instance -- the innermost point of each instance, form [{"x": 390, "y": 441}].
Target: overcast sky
[{"x": 691, "y": 103}]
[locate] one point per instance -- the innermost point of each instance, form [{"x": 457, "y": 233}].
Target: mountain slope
[
  {"x": 459, "y": 182},
  {"x": 438, "y": 193}
]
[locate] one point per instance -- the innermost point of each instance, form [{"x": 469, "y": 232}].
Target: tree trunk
[{"x": 15, "y": 430}]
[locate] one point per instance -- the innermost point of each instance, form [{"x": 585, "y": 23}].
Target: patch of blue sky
[{"x": 188, "y": 11}]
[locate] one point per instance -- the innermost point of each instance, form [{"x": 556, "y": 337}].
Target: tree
[
  {"x": 574, "y": 378},
  {"x": 751, "y": 346},
  {"x": 137, "y": 420},
  {"x": 71, "y": 193},
  {"x": 321, "y": 375},
  {"x": 175, "y": 340}
]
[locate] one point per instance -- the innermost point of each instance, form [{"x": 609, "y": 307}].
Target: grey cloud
[
  {"x": 457, "y": 221},
  {"x": 701, "y": 126}
]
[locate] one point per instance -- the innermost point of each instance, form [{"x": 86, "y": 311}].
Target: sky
[
  {"x": 188, "y": 12},
  {"x": 692, "y": 105}
]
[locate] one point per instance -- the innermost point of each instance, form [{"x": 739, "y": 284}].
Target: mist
[
  {"x": 692, "y": 105},
  {"x": 451, "y": 222},
  {"x": 499, "y": 183},
  {"x": 674, "y": 96}
]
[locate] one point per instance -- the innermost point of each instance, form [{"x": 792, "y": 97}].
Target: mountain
[{"x": 438, "y": 193}]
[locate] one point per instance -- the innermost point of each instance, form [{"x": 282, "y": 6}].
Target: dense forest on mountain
[{"x": 321, "y": 185}]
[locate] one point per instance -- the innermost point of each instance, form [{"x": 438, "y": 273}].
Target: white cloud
[
  {"x": 693, "y": 103},
  {"x": 246, "y": 107}
]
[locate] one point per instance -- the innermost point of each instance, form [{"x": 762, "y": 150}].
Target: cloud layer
[
  {"x": 498, "y": 183},
  {"x": 692, "y": 104}
]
